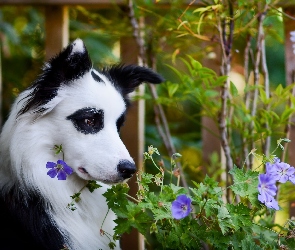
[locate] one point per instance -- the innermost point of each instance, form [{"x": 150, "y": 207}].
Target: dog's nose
[{"x": 126, "y": 169}]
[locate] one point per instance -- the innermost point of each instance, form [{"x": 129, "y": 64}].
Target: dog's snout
[{"x": 126, "y": 169}]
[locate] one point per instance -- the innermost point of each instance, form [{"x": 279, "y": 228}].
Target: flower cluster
[{"x": 275, "y": 172}]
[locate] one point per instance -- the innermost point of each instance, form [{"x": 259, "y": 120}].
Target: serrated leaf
[
  {"x": 123, "y": 226},
  {"x": 210, "y": 207},
  {"x": 116, "y": 196},
  {"x": 92, "y": 185},
  {"x": 245, "y": 183},
  {"x": 177, "y": 189},
  {"x": 199, "y": 191},
  {"x": 160, "y": 214},
  {"x": 224, "y": 219},
  {"x": 145, "y": 179},
  {"x": 249, "y": 244},
  {"x": 135, "y": 217},
  {"x": 240, "y": 215}
]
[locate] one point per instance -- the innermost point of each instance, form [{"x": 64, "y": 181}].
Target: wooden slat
[
  {"x": 61, "y": 2},
  {"x": 132, "y": 135},
  {"x": 56, "y": 28},
  {"x": 283, "y": 3},
  {"x": 289, "y": 26}
]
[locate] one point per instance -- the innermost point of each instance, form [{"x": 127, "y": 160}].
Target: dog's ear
[
  {"x": 70, "y": 64},
  {"x": 127, "y": 77}
]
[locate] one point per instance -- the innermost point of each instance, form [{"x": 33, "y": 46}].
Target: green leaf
[
  {"x": 146, "y": 179},
  {"x": 92, "y": 185},
  {"x": 203, "y": 9},
  {"x": 177, "y": 189},
  {"x": 224, "y": 219},
  {"x": 177, "y": 72},
  {"x": 210, "y": 207},
  {"x": 279, "y": 90},
  {"x": 249, "y": 244},
  {"x": 240, "y": 215},
  {"x": 116, "y": 196},
  {"x": 135, "y": 217},
  {"x": 233, "y": 89},
  {"x": 172, "y": 88},
  {"x": 245, "y": 184},
  {"x": 161, "y": 213},
  {"x": 123, "y": 226},
  {"x": 196, "y": 65},
  {"x": 263, "y": 97},
  {"x": 286, "y": 114}
]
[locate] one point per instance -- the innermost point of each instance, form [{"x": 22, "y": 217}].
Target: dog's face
[{"x": 86, "y": 109}]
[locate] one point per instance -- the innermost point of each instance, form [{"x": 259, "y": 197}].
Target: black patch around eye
[
  {"x": 88, "y": 120},
  {"x": 96, "y": 77},
  {"x": 120, "y": 122}
]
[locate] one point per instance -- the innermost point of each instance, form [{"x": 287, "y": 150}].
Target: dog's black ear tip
[
  {"x": 156, "y": 78},
  {"x": 161, "y": 79}
]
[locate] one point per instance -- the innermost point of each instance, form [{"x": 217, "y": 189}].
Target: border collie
[{"x": 73, "y": 105}]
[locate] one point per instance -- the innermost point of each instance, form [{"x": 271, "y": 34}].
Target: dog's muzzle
[{"x": 126, "y": 169}]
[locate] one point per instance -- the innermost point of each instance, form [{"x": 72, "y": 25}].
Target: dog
[{"x": 74, "y": 105}]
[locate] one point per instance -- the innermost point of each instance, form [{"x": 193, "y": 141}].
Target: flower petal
[
  {"x": 52, "y": 172},
  {"x": 68, "y": 169},
  {"x": 183, "y": 199},
  {"x": 50, "y": 164},
  {"x": 61, "y": 175},
  {"x": 272, "y": 204},
  {"x": 292, "y": 178},
  {"x": 178, "y": 214}
]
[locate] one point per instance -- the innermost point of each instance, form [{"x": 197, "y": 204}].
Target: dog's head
[{"x": 83, "y": 109}]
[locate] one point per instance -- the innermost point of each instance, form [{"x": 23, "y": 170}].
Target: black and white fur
[{"x": 73, "y": 105}]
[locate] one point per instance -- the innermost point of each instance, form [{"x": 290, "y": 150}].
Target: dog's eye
[{"x": 88, "y": 121}]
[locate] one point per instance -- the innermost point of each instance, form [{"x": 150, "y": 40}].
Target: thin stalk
[
  {"x": 226, "y": 44},
  {"x": 264, "y": 69},
  {"x": 257, "y": 61},
  {"x": 247, "y": 99},
  {"x": 161, "y": 120}
]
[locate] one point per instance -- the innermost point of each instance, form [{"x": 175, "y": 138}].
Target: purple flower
[
  {"x": 280, "y": 171},
  {"x": 61, "y": 169},
  {"x": 267, "y": 190},
  {"x": 181, "y": 207}
]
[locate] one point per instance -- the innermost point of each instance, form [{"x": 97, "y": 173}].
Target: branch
[
  {"x": 266, "y": 146},
  {"x": 226, "y": 44},
  {"x": 160, "y": 117},
  {"x": 247, "y": 99},
  {"x": 259, "y": 52}
]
